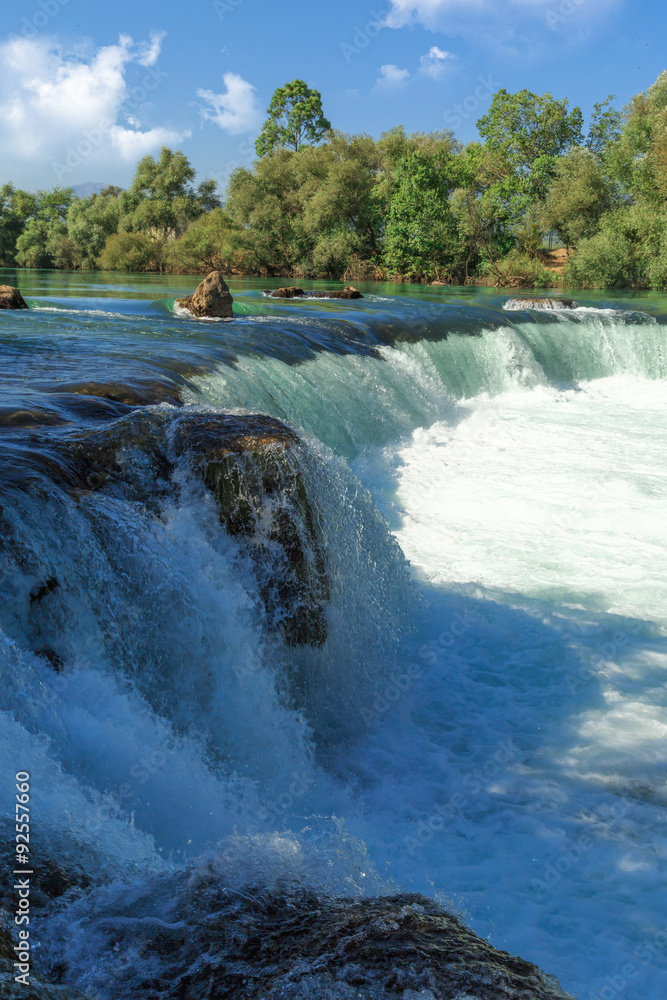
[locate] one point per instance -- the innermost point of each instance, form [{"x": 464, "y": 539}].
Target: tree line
[{"x": 318, "y": 203}]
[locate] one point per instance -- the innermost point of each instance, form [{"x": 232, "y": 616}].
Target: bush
[
  {"x": 630, "y": 251},
  {"x": 518, "y": 270},
  {"x": 129, "y": 252}
]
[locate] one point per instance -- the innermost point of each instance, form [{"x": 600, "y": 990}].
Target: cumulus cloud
[
  {"x": 435, "y": 62},
  {"x": 68, "y": 107},
  {"x": 391, "y": 77},
  {"x": 237, "y": 110}
]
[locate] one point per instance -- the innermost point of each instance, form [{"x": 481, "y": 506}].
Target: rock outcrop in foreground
[
  {"x": 211, "y": 298},
  {"x": 291, "y": 292},
  {"x": 222, "y": 944},
  {"x": 11, "y": 298},
  {"x": 251, "y": 465}
]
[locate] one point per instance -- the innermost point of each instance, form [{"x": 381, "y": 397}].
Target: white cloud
[
  {"x": 149, "y": 52},
  {"x": 237, "y": 110},
  {"x": 435, "y": 62},
  {"x": 391, "y": 77},
  {"x": 514, "y": 24},
  {"x": 67, "y": 108}
]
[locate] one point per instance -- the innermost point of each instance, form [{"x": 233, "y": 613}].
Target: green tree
[
  {"x": 40, "y": 243},
  {"x": 526, "y": 133},
  {"x": 90, "y": 221},
  {"x": 129, "y": 252},
  {"x": 16, "y": 207},
  {"x": 579, "y": 196},
  {"x": 211, "y": 243},
  {"x": 162, "y": 201},
  {"x": 421, "y": 238},
  {"x": 295, "y": 117}
]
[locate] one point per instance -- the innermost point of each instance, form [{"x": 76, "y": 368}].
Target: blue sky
[{"x": 88, "y": 87}]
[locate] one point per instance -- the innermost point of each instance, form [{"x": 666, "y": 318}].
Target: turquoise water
[{"x": 486, "y": 722}]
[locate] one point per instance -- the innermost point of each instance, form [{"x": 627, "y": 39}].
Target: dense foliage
[{"x": 419, "y": 207}]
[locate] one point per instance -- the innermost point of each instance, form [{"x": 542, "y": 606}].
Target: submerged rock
[
  {"x": 11, "y": 298},
  {"x": 211, "y": 298}
]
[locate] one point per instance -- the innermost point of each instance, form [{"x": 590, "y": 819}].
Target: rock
[
  {"x": 40, "y": 592},
  {"x": 11, "y": 298},
  {"x": 250, "y": 466},
  {"x": 297, "y": 945},
  {"x": 298, "y": 293},
  {"x": 540, "y": 303},
  {"x": 286, "y": 293},
  {"x": 436, "y": 284},
  {"x": 211, "y": 298},
  {"x": 250, "y": 463}
]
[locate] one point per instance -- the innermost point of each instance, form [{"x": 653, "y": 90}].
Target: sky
[{"x": 87, "y": 87}]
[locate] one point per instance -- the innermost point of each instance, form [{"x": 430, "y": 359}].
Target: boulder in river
[
  {"x": 212, "y": 298},
  {"x": 250, "y": 465},
  {"x": 11, "y": 298},
  {"x": 540, "y": 303},
  {"x": 291, "y": 292}
]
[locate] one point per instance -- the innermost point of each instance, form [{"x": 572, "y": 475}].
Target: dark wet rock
[
  {"x": 290, "y": 292},
  {"x": 12, "y": 417},
  {"x": 540, "y": 303},
  {"x": 38, "y": 988},
  {"x": 225, "y": 945},
  {"x": 137, "y": 394},
  {"x": 298, "y": 293},
  {"x": 43, "y": 590},
  {"x": 212, "y": 298},
  {"x": 249, "y": 463},
  {"x": 11, "y": 298},
  {"x": 53, "y": 658}
]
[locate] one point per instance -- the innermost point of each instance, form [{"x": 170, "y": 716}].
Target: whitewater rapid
[{"x": 487, "y": 720}]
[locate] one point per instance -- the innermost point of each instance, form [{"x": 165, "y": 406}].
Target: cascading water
[{"x": 485, "y": 726}]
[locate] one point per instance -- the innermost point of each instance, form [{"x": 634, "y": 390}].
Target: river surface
[{"x": 487, "y": 720}]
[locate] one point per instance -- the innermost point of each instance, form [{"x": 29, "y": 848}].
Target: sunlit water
[{"x": 487, "y": 721}]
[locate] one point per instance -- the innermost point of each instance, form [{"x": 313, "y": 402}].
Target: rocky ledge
[
  {"x": 228, "y": 945},
  {"x": 11, "y": 298},
  {"x": 291, "y": 292},
  {"x": 540, "y": 303},
  {"x": 211, "y": 298}
]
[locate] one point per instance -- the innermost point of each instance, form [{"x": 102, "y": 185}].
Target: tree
[
  {"x": 578, "y": 197},
  {"x": 527, "y": 132},
  {"x": 211, "y": 243},
  {"x": 16, "y": 207},
  {"x": 41, "y": 240},
  {"x": 421, "y": 238},
  {"x": 295, "y": 117},
  {"x": 90, "y": 221},
  {"x": 128, "y": 252},
  {"x": 605, "y": 129}
]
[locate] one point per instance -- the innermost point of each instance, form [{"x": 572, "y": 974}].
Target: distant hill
[{"x": 90, "y": 187}]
